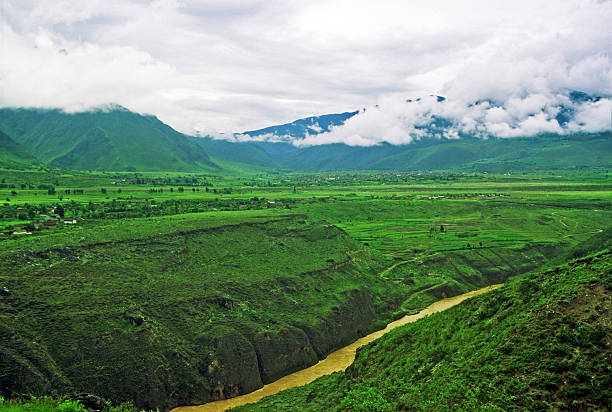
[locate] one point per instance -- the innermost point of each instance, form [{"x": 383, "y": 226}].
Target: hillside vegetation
[
  {"x": 493, "y": 155},
  {"x": 173, "y": 288},
  {"x": 182, "y": 310},
  {"x": 13, "y": 155},
  {"x": 439, "y": 235},
  {"x": 117, "y": 139},
  {"x": 103, "y": 139},
  {"x": 542, "y": 342}
]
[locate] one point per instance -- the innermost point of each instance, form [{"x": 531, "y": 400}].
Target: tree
[
  {"x": 59, "y": 210},
  {"x": 441, "y": 228},
  {"x": 103, "y": 190}
]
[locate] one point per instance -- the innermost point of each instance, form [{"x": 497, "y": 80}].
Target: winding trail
[
  {"x": 383, "y": 274},
  {"x": 334, "y": 362}
]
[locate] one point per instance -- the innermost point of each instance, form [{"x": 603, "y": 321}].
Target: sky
[{"x": 224, "y": 66}]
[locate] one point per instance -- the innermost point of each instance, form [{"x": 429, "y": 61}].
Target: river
[{"x": 334, "y": 362}]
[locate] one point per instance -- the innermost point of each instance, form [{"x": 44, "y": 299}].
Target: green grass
[
  {"x": 48, "y": 404},
  {"x": 235, "y": 270},
  {"x": 113, "y": 139},
  {"x": 541, "y": 342},
  {"x": 13, "y": 155},
  {"x": 493, "y": 155},
  {"x": 178, "y": 309}
]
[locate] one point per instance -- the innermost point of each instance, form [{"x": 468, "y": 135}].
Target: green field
[
  {"x": 182, "y": 309},
  {"x": 211, "y": 285}
]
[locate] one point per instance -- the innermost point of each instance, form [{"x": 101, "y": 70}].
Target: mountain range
[
  {"x": 13, "y": 155},
  {"x": 114, "y": 138},
  {"x": 543, "y": 152},
  {"x": 300, "y": 128},
  {"x": 110, "y": 138}
]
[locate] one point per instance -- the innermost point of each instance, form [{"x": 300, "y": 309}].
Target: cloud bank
[
  {"x": 229, "y": 65},
  {"x": 398, "y": 121}
]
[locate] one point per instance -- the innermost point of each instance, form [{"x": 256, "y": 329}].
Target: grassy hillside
[
  {"x": 119, "y": 140},
  {"x": 269, "y": 271},
  {"x": 493, "y": 155},
  {"x": 241, "y": 155},
  {"x": 546, "y": 152},
  {"x": 181, "y": 309},
  {"x": 64, "y": 404},
  {"x": 13, "y": 155},
  {"x": 113, "y": 139},
  {"x": 440, "y": 235},
  {"x": 541, "y": 342},
  {"x": 450, "y": 239}
]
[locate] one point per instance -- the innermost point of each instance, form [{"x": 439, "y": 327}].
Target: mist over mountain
[
  {"x": 114, "y": 138},
  {"x": 301, "y": 128},
  {"x": 401, "y": 121}
]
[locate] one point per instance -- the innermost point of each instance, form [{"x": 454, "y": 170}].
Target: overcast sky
[{"x": 230, "y": 65}]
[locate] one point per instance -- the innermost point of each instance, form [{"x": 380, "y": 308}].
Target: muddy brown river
[{"x": 334, "y": 362}]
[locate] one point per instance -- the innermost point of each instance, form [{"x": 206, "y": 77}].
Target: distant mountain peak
[
  {"x": 560, "y": 112},
  {"x": 301, "y": 128},
  {"x": 313, "y": 125}
]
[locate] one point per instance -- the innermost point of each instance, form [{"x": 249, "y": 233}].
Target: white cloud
[
  {"x": 397, "y": 121},
  {"x": 230, "y": 65},
  {"x": 593, "y": 117}
]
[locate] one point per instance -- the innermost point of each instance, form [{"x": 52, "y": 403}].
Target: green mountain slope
[
  {"x": 117, "y": 139},
  {"x": 239, "y": 154},
  {"x": 537, "y": 153},
  {"x": 542, "y": 342},
  {"x": 114, "y": 139},
  {"x": 545, "y": 152},
  {"x": 13, "y": 155},
  {"x": 141, "y": 311}
]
